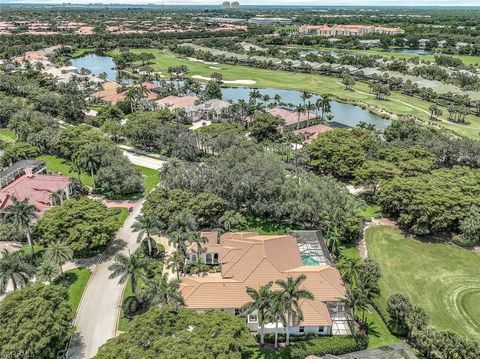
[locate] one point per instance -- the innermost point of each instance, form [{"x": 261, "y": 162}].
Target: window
[
  {"x": 237, "y": 311},
  {"x": 301, "y": 330},
  {"x": 340, "y": 307},
  {"x": 208, "y": 258},
  {"x": 252, "y": 318},
  {"x": 321, "y": 329},
  {"x": 193, "y": 257},
  {"x": 215, "y": 258}
]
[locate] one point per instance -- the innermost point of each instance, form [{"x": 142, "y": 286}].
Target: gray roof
[{"x": 9, "y": 174}]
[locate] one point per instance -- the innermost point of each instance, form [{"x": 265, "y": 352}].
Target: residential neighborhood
[{"x": 238, "y": 180}]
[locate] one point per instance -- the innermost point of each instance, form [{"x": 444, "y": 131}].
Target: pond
[
  {"x": 412, "y": 51},
  {"x": 98, "y": 64},
  {"x": 346, "y": 114}
]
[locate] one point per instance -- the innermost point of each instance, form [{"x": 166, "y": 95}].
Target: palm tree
[
  {"x": 179, "y": 240},
  {"x": 22, "y": 214},
  {"x": 299, "y": 109},
  {"x": 278, "y": 99},
  {"x": 276, "y": 312},
  {"x": 175, "y": 263},
  {"x": 76, "y": 167},
  {"x": 417, "y": 319},
  {"x": 350, "y": 269},
  {"x": 233, "y": 220},
  {"x": 126, "y": 267},
  {"x": 305, "y": 95},
  {"x": 434, "y": 111},
  {"x": 292, "y": 293},
  {"x": 58, "y": 253},
  {"x": 165, "y": 292},
  {"x": 14, "y": 268},
  {"x": 309, "y": 107},
  {"x": 254, "y": 96},
  {"x": 47, "y": 271},
  {"x": 146, "y": 226},
  {"x": 197, "y": 239},
  {"x": 261, "y": 304},
  {"x": 324, "y": 105},
  {"x": 183, "y": 222},
  {"x": 57, "y": 197},
  {"x": 355, "y": 300}
]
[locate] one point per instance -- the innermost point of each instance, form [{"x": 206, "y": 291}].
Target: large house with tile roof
[{"x": 251, "y": 260}]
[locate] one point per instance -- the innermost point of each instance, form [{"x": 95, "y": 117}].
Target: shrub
[{"x": 335, "y": 345}]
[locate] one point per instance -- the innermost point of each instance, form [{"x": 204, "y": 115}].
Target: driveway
[{"x": 99, "y": 309}]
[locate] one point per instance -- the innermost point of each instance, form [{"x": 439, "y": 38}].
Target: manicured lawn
[
  {"x": 443, "y": 279},
  {"x": 320, "y": 84},
  {"x": 371, "y": 211},
  {"x": 150, "y": 176},
  {"x": 57, "y": 164},
  {"x": 76, "y": 280},
  {"x": 122, "y": 216},
  {"x": 268, "y": 227},
  {"x": 263, "y": 353},
  {"x": 378, "y": 333},
  {"x": 7, "y": 135}
]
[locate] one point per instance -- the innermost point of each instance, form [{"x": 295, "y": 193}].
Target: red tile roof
[{"x": 37, "y": 189}]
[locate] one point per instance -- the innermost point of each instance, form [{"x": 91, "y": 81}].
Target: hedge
[
  {"x": 392, "y": 328},
  {"x": 334, "y": 345}
]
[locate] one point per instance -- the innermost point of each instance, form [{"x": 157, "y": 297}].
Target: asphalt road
[{"x": 99, "y": 309}]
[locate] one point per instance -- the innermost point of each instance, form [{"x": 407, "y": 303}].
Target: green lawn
[
  {"x": 320, "y": 84},
  {"x": 443, "y": 279},
  {"x": 263, "y": 353},
  {"x": 7, "y": 135},
  {"x": 57, "y": 164},
  {"x": 378, "y": 333},
  {"x": 150, "y": 176},
  {"x": 264, "y": 227},
  {"x": 76, "y": 280},
  {"x": 371, "y": 211}
]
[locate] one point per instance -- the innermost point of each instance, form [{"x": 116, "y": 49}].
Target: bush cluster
[{"x": 334, "y": 345}]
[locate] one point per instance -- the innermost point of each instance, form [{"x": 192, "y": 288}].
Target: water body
[
  {"x": 412, "y": 51},
  {"x": 346, "y": 114},
  {"x": 98, "y": 64}
]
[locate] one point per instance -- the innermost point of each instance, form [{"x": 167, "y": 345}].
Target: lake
[
  {"x": 346, "y": 114},
  {"x": 412, "y": 51}
]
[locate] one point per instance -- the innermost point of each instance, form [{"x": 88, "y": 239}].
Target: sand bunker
[
  {"x": 232, "y": 82},
  {"x": 201, "y": 61}
]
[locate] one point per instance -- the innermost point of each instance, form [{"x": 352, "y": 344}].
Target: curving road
[{"x": 99, "y": 308}]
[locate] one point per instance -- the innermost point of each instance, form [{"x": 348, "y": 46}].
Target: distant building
[
  {"x": 348, "y": 30},
  {"x": 270, "y": 21},
  {"x": 226, "y": 4},
  {"x": 235, "y": 5}
]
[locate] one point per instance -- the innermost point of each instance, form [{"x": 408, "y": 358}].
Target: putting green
[{"x": 443, "y": 279}]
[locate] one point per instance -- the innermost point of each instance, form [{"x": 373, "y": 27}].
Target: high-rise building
[
  {"x": 235, "y": 5},
  {"x": 226, "y": 4}
]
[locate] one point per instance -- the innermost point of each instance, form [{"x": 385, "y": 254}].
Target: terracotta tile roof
[
  {"x": 174, "y": 102},
  {"x": 250, "y": 260},
  {"x": 311, "y": 132},
  {"x": 290, "y": 117},
  {"x": 37, "y": 189}
]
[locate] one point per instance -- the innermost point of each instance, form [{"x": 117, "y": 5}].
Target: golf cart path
[{"x": 99, "y": 309}]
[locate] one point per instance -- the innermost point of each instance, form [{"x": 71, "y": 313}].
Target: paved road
[
  {"x": 144, "y": 161},
  {"x": 100, "y": 306}
]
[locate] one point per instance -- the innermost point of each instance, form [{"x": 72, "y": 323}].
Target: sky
[{"x": 272, "y": 2}]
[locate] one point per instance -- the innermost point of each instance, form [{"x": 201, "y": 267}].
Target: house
[
  {"x": 209, "y": 110},
  {"x": 26, "y": 183},
  {"x": 311, "y": 132},
  {"x": 251, "y": 260},
  {"x": 293, "y": 120},
  {"x": 174, "y": 102},
  {"x": 110, "y": 92}
]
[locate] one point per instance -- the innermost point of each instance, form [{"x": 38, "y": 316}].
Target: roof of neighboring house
[
  {"x": 311, "y": 132},
  {"x": 290, "y": 117},
  {"x": 252, "y": 260},
  {"x": 37, "y": 189},
  {"x": 174, "y": 102},
  {"x": 109, "y": 92},
  {"x": 214, "y": 105}
]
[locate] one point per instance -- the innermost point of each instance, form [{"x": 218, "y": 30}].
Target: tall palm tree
[
  {"x": 305, "y": 95},
  {"x": 350, "y": 269},
  {"x": 355, "y": 300},
  {"x": 261, "y": 304},
  {"x": 75, "y": 166},
  {"x": 309, "y": 107},
  {"x": 292, "y": 293},
  {"x": 254, "y": 96},
  {"x": 14, "y": 268},
  {"x": 126, "y": 267},
  {"x": 165, "y": 292},
  {"x": 183, "y": 222},
  {"x": 58, "y": 253},
  {"x": 22, "y": 214},
  {"x": 299, "y": 110},
  {"x": 197, "y": 239},
  {"x": 57, "y": 197},
  {"x": 47, "y": 271},
  {"x": 175, "y": 263},
  {"x": 146, "y": 226},
  {"x": 276, "y": 312},
  {"x": 325, "y": 106},
  {"x": 179, "y": 240}
]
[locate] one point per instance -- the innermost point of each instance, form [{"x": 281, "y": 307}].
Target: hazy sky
[{"x": 273, "y": 2}]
